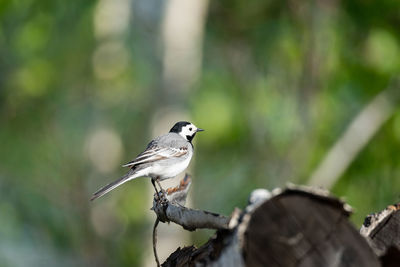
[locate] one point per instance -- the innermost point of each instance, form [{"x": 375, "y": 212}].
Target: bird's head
[{"x": 185, "y": 129}]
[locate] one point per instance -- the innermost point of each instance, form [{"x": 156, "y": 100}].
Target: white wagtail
[{"x": 165, "y": 157}]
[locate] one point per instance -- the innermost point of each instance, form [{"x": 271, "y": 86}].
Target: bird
[{"x": 165, "y": 157}]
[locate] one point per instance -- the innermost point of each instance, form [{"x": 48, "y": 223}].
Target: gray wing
[{"x": 165, "y": 147}]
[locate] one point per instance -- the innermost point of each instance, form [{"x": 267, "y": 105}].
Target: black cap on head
[{"x": 178, "y": 126}]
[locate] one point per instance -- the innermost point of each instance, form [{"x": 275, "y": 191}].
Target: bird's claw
[{"x": 161, "y": 196}]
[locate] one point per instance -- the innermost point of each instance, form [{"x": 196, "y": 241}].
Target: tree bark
[
  {"x": 297, "y": 226},
  {"x": 382, "y": 231}
]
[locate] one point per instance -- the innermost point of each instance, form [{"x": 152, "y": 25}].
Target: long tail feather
[{"x": 104, "y": 190}]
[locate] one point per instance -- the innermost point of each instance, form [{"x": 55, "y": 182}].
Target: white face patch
[{"x": 188, "y": 130}]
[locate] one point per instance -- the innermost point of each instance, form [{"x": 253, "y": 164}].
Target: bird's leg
[
  {"x": 159, "y": 185},
  {"x": 155, "y": 187},
  {"x": 163, "y": 194}
]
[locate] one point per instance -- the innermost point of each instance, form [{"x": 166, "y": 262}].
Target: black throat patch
[{"x": 190, "y": 137}]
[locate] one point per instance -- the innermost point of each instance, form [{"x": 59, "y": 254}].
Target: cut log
[
  {"x": 304, "y": 228},
  {"x": 382, "y": 231},
  {"x": 295, "y": 227}
]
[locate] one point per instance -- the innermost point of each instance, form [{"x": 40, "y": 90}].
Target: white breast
[{"x": 171, "y": 170}]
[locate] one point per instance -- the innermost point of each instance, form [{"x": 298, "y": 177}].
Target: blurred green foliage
[{"x": 280, "y": 82}]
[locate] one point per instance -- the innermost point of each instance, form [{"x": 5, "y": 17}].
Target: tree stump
[
  {"x": 298, "y": 226},
  {"x": 382, "y": 231},
  {"x": 305, "y": 229}
]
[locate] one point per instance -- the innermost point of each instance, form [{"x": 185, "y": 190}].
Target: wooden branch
[
  {"x": 171, "y": 209},
  {"x": 298, "y": 226},
  {"x": 189, "y": 219},
  {"x": 179, "y": 193},
  {"x": 155, "y": 242},
  {"x": 306, "y": 225}
]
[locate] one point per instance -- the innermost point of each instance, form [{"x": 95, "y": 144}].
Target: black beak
[{"x": 199, "y": 130}]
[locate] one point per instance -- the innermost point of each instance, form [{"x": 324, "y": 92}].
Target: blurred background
[{"x": 287, "y": 91}]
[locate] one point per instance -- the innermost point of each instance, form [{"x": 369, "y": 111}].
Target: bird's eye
[{"x": 190, "y": 128}]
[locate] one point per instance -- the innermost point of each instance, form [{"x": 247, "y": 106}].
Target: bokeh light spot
[
  {"x": 215, "y": 111},
  {"x": 109, "y": 60},
  {"x": 104, "y": 148},
  {"x": 382, "y": 51}
]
